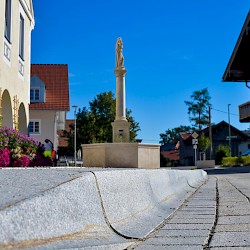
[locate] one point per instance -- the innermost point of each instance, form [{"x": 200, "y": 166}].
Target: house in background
[
  {"x": 63, "y": 141},
  {"x": 220, "y": 134},
  {"x": 49, "y": 101},
  {"x": 171, "y": 152},
  {"x": 16, "y": 24}
]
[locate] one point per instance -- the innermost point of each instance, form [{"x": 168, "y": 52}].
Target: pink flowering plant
[
  {"x": 4, "y": 157},
  {"x": 16, "y": 149}
]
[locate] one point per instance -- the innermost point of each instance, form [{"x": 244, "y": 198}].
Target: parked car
[{"x": 246, "y": 153}]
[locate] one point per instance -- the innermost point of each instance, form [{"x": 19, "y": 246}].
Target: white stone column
[
  {"x": 120, "y": 125},
  {"x": 120, "y": 95}
]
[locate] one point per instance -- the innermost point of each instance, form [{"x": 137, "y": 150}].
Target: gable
[
  {"x": 36, "y": 84},
  {"x": 55, "y": 78},
  {"x": 239, "y": 63}
]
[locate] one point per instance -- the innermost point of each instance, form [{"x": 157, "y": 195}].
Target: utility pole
[
  {"x": 210, "y": 133},
  {"x": 75, "y": 107},
  {"x": 229, "y": 130}
]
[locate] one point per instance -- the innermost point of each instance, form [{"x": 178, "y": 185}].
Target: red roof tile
[
  {"x": 55, "y": 78},
  {"x": 173, "y": 155}
]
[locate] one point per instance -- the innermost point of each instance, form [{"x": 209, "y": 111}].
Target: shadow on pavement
[{"x": 232, "y": 170}]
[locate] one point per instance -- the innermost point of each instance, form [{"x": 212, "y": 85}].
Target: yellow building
[{"x": 16, "y": 24}]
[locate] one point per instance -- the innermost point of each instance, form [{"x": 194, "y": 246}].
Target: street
[{"x": 216, "y": 216}]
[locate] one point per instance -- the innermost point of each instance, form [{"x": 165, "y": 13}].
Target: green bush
[
  {"x": 221, "y": 152},
  {"x": 235, "y": 161},
  {"x": 244, "y": 160},
  {"x": 229, "y": 161}
]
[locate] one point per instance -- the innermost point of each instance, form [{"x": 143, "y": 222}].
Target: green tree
[
  {"x": 198, "y": 108},
  {"x": 173, "y": 135},
  {"x": 203, "y": 142},
  {"x": 220, "y": 152},
  {"x": 94, "y": 123}
]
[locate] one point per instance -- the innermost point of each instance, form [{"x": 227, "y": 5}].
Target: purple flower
[
  {"x": 23, "y": 161},
  {"x": 4, "y": 157}
]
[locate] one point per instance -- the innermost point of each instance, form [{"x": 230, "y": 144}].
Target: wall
[
  {"x": 10, "y": 78},
  {"x": 121, "y": 155},
  {"x": 47, "y": 119}
]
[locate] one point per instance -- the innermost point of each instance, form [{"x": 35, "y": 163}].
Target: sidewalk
[{"x": 216, "y": 217}]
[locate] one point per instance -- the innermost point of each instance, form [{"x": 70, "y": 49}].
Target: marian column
[{"x": 120, "y": 125}]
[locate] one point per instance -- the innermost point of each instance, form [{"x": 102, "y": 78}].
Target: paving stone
[
  {"x": 188, "y": 226},
  {"x": 234, "y": 220},
  {"x": 234, "y": 203},
  {"x": 199, "y": 209},
  {"x": 230, "y": 248},
  {"x": 232, "y": 212},
  {"x": 237, "y": 207},
  {"x": 175, "y": 241},
  {"x": 230, "y": 239},
  {"x": 179, "y": 247},
  {"x": 182, "y": 233},
  {"x": 191, "y": 220},
  {"x": 233, "y": 228},
  {"x": 182, "y": 215},
  {"x": 201, "y": 206},
  {"x": 197, "y": 212},
  {"x": 202, "y": 202}
]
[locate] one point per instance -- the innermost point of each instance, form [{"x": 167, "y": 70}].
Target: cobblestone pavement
[{"x": 216, "y": 217}]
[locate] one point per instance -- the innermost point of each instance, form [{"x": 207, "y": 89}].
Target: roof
[
  {"x": 173, "y": 155},
  {"x": 55, "y": 77},
  {"x": 239, "y": 64},
  {"x": 186, "y": 135},
  {"x": 217, "y": 127}
]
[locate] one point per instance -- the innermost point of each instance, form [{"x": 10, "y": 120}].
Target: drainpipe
[{"x": 55, "y": 131}]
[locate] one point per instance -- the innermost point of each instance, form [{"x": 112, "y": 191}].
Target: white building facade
[{"x": 16, "y": 24}]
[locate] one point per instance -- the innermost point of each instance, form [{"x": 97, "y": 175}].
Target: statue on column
[{"x": 119, "y": 55}]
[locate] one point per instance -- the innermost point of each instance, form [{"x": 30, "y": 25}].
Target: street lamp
[
  {"x": 229, "y": 129},
  {"x": 75, "y": 107}
]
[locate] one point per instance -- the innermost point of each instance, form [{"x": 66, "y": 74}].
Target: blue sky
[{"x": 171, "y": 48}]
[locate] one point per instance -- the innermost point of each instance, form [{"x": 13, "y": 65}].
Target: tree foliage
[
  {"x": 94, "y": 123},
  {"x": 203, "y": 142},
  {"x": 198, "y": 108},
  {"x": 220, "y": 152},
  {"x": 173, "y": 135}
]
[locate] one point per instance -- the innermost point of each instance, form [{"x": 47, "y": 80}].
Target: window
[
  {"x": 34, "y": 127},
  {"x": 21, "y": 37},
  {"x": 7, "y": 28},
  {"x": 34, "y": 95}
]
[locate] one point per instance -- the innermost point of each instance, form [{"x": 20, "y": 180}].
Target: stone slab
[
  {"x": 230, "y": 248},
  {"x": 233, "y": 212},
  {"x": 191, "y": 220},
  {"x": 188, "y": 226},
  {"x": 20, "y": 184},
  {"x": 190, "y": 216},
  {"x": 182, "y": 233},
  {"x": 68, "y": 212},
  {"x": 62, "y": 207},
  {"x": 223, "y": 220},
  {"x": 168, "y": 247},
  {"x": 144, "y": 198},
  {"x": 233, "y": 228},
  {"x": 230, "y": 239},
  {"x": 121, "y": 155},
  {"x": 175, "y": 241}
]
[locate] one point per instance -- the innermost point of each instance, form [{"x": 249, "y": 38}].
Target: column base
[{"x": 121, "y": 131}]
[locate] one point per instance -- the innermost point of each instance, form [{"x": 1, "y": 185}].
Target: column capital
[{"x": 120, "y": 72}]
